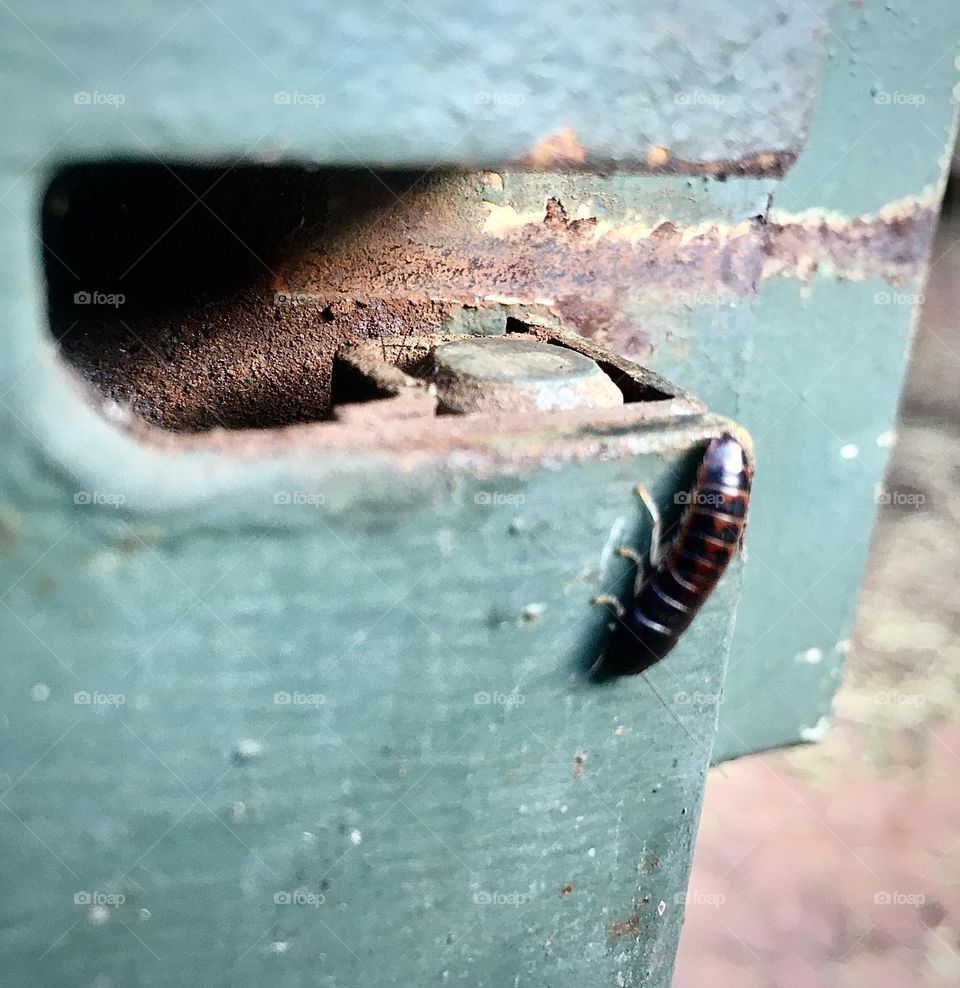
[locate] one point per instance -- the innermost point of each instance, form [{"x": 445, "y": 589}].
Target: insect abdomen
[{"x": 708, "y": 538}]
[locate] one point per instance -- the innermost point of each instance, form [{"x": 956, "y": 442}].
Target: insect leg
[
  {"x": 611, "y": 602},
  {"x": 657, "y": 549},
  {"x": 641, "y": 563},
  {"x": 636, "y": 557}
]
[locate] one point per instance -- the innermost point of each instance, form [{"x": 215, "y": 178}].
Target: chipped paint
[
  {"x": 502, "y": 220},
  {"x": 657, "y": 157},
  {"x": 817, "y": 732},
  {"x": 560, "y": 150}
]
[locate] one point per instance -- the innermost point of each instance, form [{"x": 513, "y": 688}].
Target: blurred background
[{"x": 838, "y": 864}]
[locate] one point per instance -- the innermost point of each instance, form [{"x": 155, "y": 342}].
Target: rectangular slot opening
[
  {"x": 197, "y": 298},
  {"x": 169, "y": 288}
]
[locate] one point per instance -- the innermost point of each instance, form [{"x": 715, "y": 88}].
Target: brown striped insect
[{"x": 678, "y": 578}]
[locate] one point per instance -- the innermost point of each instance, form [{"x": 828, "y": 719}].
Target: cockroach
[{"x": 678, "y": 578}]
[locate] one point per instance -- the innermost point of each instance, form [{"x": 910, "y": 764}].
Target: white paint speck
[
  {"x": 661, "y": 907},
  {"x": 887, "y": 439},
  {"x": 248, "y": 748},
  {"x": 40, "y": 692},
  {"x": 355, "y": 836},
  {"x": 592, "y": 852},
  {"x": 98, "y": 915},
  {"x": 850, "y": 452},
  {"x": 811, "y": 656},
  {"x": 532, "y": 613},
  {"x": 842, "y": 646},
  {"x": 816, "y": 733},
  {"x": 144, "y": 915},
  {"x": 279, "y": 946},
  {"x": 446, "y": 541}
]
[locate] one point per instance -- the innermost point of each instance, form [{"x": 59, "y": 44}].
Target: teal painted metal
[
  {"x": 479, "y": 84},
  {"x": 332, "y": 726},
  {"x": 827, "y": 367},
  {"x": 322, "y": 799}
]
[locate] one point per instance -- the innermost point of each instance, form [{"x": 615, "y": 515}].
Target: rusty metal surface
[
  {"x": 208, "y": 336},
  {"x": 891, "y": 246}
]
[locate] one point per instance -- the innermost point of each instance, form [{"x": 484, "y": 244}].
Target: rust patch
[
  {"x": 891, "y": 246},
  {"x": 657, "y": 157},
  {"x": 559, "y": 154},
  {"x": 630, "y": 927},
  {"x": 248, "y": 362},
  {"x": 579, "y": 760},
  {"x": 556, "y": 219},
  {"x": 470, "y": 442},
  {"x": 764, "y": 164},
  {"x": 220, "y": 335},
  {"x": 239, "y": 330},
  {"x": 537, "y": 262},
  {"x": 554, "y": 153}
]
